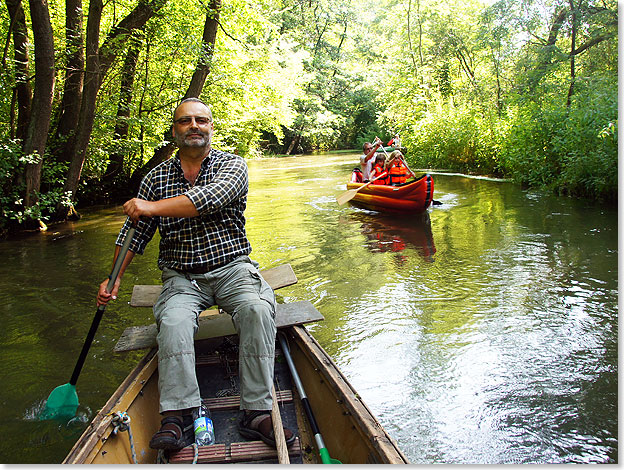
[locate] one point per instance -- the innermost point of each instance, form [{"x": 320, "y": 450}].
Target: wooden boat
[
  {"x": 350, "y": 431},
  {"x": 412, "y": 197}
]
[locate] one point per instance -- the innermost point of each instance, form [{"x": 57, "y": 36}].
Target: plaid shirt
[{"x": 213, "y": 238}]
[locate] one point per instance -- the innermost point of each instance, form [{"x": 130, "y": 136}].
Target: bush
[
  {"x": 456, "y": 138},
  {"x": 567, "y": 150},
  {"x": 12, "y": 166}
]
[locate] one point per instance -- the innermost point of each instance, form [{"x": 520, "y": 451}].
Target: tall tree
[
  {"x": 99, "y": 60},
  {"x": 63, "y": 140},
  {"x": 120, "y": 133},
  {"x": 37, "y": 134},
  {"x": 22, "y": 93}
]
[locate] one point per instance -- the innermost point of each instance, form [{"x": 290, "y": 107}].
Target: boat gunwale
[
  {"x": 378, "y": 437},
  {"x": 390, "y": 191}
]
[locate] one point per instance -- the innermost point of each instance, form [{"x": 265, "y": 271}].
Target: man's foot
[
  {"x": 176, "y": 432},
  {"x": 259, "y": 425}
]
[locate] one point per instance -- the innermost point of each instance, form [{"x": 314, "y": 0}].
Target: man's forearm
[{"x": 179, "y": 206}]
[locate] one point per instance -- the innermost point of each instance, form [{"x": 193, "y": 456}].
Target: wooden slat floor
[{"x": 218, "y": 383}]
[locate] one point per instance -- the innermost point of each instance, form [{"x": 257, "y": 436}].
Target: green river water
[{"x": 484, "y": 332}]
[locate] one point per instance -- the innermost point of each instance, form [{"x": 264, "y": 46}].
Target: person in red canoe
[
  {"x": 367, "y": 159},
  {"x": 398, "y": 171},
  {"x": 380, "y": 169}
]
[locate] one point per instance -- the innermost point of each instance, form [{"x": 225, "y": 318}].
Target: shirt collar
[{"x": 206, "y": 161}]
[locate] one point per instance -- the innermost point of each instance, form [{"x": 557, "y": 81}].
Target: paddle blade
[
  {"x": 346, "y": 197},
  {"x": 325, "y": 458},
  {"x": 62, "y": 403}
]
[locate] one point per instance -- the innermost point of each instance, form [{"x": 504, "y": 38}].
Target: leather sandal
[
  {"x": 175, "y": 433},
  {"x": 259, "y": 425}
]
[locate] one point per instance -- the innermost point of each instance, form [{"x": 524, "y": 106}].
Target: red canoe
[{"x": 413, "y": 197}]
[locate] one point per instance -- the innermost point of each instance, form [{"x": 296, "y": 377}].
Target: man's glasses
[{"x": 186, "y": 120}]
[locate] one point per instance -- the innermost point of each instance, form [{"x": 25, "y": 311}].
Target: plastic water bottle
[{"x": 203, "y": 427}]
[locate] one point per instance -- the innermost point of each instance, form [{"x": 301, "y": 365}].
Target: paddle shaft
[
  {"x": 100, "y": 311},
  {"x": 304, "y": 399},
  {"x": 278, "y": 432}
]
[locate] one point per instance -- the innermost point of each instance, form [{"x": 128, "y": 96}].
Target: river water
[{"x": 484, "y": 332}]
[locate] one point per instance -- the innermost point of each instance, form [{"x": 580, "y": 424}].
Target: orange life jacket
[
  {"x": 378, "y": 170},
  {"x": 397, "y": 173}
]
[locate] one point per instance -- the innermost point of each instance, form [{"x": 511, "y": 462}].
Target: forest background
[{"x": 523, "y": 89}]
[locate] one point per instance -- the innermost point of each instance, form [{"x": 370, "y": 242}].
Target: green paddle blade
[
  {"x": 325, "y": 458},
  {"x": 62, "y": 403}
]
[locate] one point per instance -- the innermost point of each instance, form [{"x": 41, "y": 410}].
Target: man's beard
[{"x": 185, "y": 141}]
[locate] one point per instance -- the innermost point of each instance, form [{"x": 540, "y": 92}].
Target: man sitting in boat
[
  {"x": 367, "y": 159},
  {"x": 380, "y": 170},
  {"x": 398, "y": 171},
  {"x": 196, "y": 200}
]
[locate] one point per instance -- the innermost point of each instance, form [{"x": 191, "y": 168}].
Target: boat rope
[
  {"x": 121, "y": 422},
  {"x": 160, "y": 458},
  {"x": 195, "y": 453}
]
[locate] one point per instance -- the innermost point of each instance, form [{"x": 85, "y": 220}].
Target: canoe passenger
[
  {"x": 380, "y": 169},
  {"x": 367, "y": 159},
  {"x": 196, "y": 200},
  {"x": 397, "y": 168}
]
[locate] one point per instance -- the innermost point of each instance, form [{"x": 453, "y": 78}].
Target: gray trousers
[{"x": 239, "y": 289}]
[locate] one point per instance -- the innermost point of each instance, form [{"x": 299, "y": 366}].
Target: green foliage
[
  {"x": 12, "y": 189},
  {"x": 470, "y": 87},
  {"x": 458, "y": 138},
  {"x": 484, "y": 89},
  {"x": 12, "y": 165},
  {"x": 568, "y": 150}
]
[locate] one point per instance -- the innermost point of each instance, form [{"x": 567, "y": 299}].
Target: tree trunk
[
  {"x": 548, "y": 50},
  {"x": 39, "y": 124},
  {"x": 123, "y": 108},
  {"x": 23, "y": 93},
  {"x": 77, "y": 148},
  {"x": 74, "y": 81},
  {"x": 572, "y": 48},
  {"x": 420, "y": 35},
  {"x": 499, "y": 100},
  {"x": 195, "y": 87},
  {"x": 409, "y": 36},
  {"x": 209, "y": 36},
  {"x": 294, "y": 144},
  {"x": 98, "y": 63}
]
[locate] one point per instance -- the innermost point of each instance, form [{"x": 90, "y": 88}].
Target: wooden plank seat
[
  {"x": 214, "y": 323},
  {"x": 278, "y": 277}
]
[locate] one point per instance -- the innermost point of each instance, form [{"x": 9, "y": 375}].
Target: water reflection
[{"x": 394, "y": 233}]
